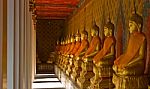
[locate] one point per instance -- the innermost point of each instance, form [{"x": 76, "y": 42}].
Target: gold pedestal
[
  {"x": 77, "y": 69},
  {"x": 87, "y": 72},
  {"x": 103, "y": 75},
  {"x": 62, "y": 62},
  {"x": 65, "y": 63},
  {"x": 130, "y": 82},
  {"x": 69, "y": 70},
  {"x": 59, "y": 62}
]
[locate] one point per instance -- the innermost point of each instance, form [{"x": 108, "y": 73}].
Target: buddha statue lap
[
  {"x": 103, "y": 61},
  {"x": 129, "y": 67},
  {"x": 80, "y": 53},
  {"x": 87, "y": 66}
]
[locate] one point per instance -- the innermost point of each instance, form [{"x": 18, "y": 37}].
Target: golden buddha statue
[
  {"x": 76, "y": 47},
  {"x": 87, "y": 66},
  {"x": 62, "y": 54},
  {"x": 84, "y": 44},
  {"x": 69, "y": 54},
  {"x": 103, "y": 61},
  {"x": 129, "y": 67},
  {"x": 65, "y": 54}
]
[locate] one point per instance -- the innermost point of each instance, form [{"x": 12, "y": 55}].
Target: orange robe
[
  {"x": 76, "y": 47},
  {"x": 107, "y": 44},
  {"x": 84, "y": 44},
  {"x": 135, "y": 41},
  {"x": 93, "y": 44},
  {"x": 71, "y": 48},
  {"x": 68, "y": 47}
]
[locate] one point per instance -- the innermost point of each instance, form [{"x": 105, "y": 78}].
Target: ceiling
[{"x": 55, "y": 9}]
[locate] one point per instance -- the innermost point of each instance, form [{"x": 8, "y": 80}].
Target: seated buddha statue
[
  {"x": 62, "y": 54},
  {"x": 77, "y": 43},
  {"x": 84, "y": 44},
  {"x": 87, "y": 66},
  {"x": 104, "y": 59},
  {"x": 129, "y": 67},
  {"x": 69, "y": 54},
  {"x": 76, "y": 47},
  {"x": 65, "y": 53}
]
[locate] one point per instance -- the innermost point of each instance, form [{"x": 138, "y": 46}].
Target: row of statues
[{"x": 93, "y": 65}]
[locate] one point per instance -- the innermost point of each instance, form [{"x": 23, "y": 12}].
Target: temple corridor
[
  {"x": 74, "y": 44},
  {"x": 47, "y": 81}
]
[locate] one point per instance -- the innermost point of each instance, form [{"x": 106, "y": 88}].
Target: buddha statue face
[
  {"x": 66, "y": 42},
  {"x": 69, "y": 40},
  {"x": 94, "y": 32},
  {"x": 78, "y": 37},
  {"x": 108, "y": 29},
  {"x": 107, "y": 32},
  {"x": 84, "y": 35},
  {"x": 72, "y": 39},
  {"x": 135, "y": 23},
  {"x": 132, "y": 26}
]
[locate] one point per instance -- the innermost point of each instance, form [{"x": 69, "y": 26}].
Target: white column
[
  {"x": 10, "y": 44},
  {"x": 22, "y": 45},
  {"x": 33, "y": 50},
  {"x": 19, "y": 45},
  {"x": 1, "y": 40},
  {"x": 28, "y": 46},
  {"x": 13, "y": 44}
]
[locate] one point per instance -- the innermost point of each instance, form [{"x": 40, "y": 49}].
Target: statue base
[
  {"x": 70, "y": 66},
  {"x": 130, "y": 82},
  {"x": 66, "y": 64},
  {"x": 102, "y": 78},
  {"x": 76, "y": 70},
  {"x": 87, "y": 72}
]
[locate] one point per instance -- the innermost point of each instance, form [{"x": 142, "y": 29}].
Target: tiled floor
[{"x": 47, "y": 81}]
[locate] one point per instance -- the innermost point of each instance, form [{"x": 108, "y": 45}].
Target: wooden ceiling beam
[
  {"x": 54, "y": 10},
  {"x": 40, "y": 17}
]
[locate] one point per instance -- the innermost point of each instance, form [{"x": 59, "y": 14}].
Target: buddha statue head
[
  {"x": 135, "y": 23},
  {"x": 61, "y": 42},
  {"x": 109, "y": 29},
  {"x": 72, "y": 38},
  {"x": 94, "y": 30},
  {"x": 84, "y": 34},
  {"x": 69, "y": 39},
  {"x": 78, "y": 36},
  {"x": 57, "y": 43},
  {"x": 66, "y": 41}
]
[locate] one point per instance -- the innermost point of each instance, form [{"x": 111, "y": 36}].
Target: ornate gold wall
[
  {"x": 119, "y": 12},
  {"x": 47, "y": 31}
]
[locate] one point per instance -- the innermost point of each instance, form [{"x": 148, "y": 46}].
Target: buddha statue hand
[
  {"x": 95, "y": 61},
  {"x": 71, "y": 56}
]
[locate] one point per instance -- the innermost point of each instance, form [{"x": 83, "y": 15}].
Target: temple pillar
[{"x": 1, "y": 41}]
